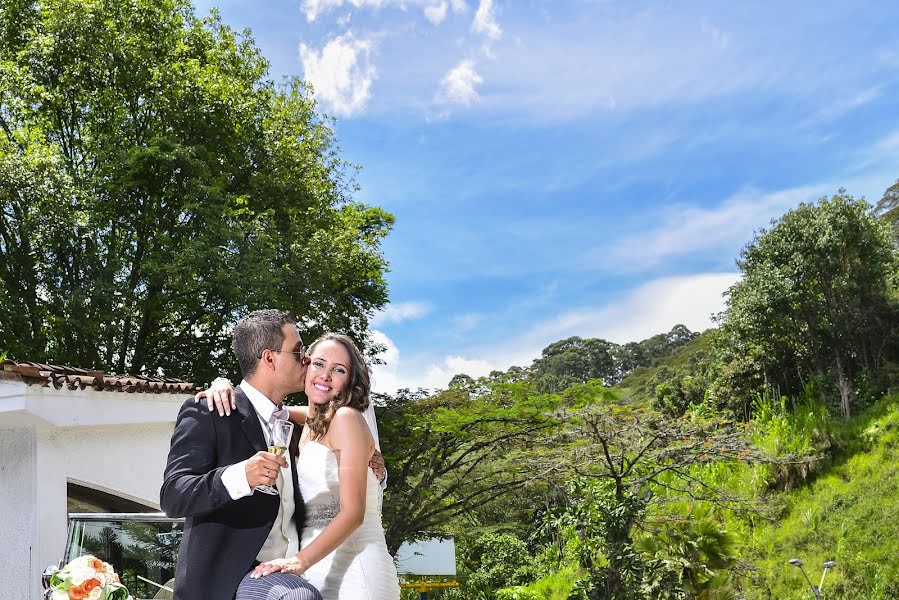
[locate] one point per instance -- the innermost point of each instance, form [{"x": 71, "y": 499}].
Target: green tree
[
  {"x": 815, "y": 298},
  {"x": 888, "y": 208},
  {"x": 455, "y": 455},
  {"x": 495, "y": 561},
  {"x": 697, "y": 550},
  {"x": 155, "y": 184},
  {"x": 623, "y": 457},
  {"x": 578, "y": 360},
  {"x": 575, "y": 360}
]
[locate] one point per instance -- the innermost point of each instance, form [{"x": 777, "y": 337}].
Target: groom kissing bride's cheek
[{"x": 248, "y": 532}]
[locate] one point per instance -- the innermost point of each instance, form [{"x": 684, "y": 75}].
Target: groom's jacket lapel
[{"x": 250, "y": 423}]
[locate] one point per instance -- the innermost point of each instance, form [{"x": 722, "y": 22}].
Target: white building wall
[
  {"x": 111, "y": 441},
  {"x": 17, "y": 520}
]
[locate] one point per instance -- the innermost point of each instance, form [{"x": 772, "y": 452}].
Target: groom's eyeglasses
[{"x": 299, "y": 354}]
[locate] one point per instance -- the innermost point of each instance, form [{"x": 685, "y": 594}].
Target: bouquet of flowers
[{"x": 87, "y": 578}]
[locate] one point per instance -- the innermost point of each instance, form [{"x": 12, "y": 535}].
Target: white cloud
[
  {"x": 440, "y": 374},
  {"x": 687, "y": 230},
  {"x": 393, "y": 374},
  {"x": 315, "y": 8},
  {"x": 845, "y": 105},
  {"x": 485, "y": 21},
  {"x": 436, "y": 13},
  {"x": 341, "y": 74},
  {"x": 651, "y": 308},
  {"x": 458, "y": 85},
  {"x": 399, "y": 312},
  {"x": 385, "y": 376},
  {"x": 459, "y": 6}
]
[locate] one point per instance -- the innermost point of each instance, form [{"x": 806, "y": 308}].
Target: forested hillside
[{"x": 686, "y": 465}]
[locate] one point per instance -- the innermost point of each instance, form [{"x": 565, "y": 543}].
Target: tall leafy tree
[
  {"x": 453, "y": 454},
  {"x": 888, "y": 208},
  {"x": 155, "y": 184},
  {"x": 815, "y": 299}
]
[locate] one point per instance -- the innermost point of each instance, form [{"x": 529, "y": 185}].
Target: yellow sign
[{"x": 423, "y": 585}]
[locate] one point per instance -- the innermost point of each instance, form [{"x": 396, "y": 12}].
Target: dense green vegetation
[
  {"x": 155, "y": 184},
  {"x": 686, "y": 465}
]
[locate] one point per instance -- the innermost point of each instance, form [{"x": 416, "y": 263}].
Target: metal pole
[
  {"x": 422, "y": 596},
  {"x": 823, "y": 575},
  {"x": 810, "y": 584}
]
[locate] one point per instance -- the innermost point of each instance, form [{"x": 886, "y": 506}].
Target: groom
[{"x": 215, "y": 463}]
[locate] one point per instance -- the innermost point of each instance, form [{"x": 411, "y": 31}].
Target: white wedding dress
[{"x": 360, "y": 568}]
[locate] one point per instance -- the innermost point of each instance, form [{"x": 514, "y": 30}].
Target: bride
[{"x": 343, "y": 552}]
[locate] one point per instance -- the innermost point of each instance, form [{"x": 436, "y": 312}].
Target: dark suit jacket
[{"x": 221, "y": 536}]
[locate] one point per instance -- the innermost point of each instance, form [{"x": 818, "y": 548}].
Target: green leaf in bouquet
[
  {"x": 60, "y": 581},
  {"x": 114, "y": 591}
]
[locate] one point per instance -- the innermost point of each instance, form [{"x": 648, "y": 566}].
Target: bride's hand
[
  {"x": 220, "y": 395},
  {"x": 294, "y": 565}
]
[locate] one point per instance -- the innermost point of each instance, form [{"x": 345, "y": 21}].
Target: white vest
[{"x": 282, "y": 540}]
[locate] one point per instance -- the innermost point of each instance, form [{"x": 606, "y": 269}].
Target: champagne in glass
[{"x": 281, "y": 434}]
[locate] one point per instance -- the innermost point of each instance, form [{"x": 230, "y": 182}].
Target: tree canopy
[
  {"x": 815, "y": 299},
  {"x": 155, "y": 184}
]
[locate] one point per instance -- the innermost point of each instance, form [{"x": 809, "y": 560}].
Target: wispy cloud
[
  {"x": 485, "y": 21},
  {"x": 685, "y": 230},
  {"x": 341, "y": 73},
  {"x": 720, "y": 38},
  {"x": 459, "y": 6},
  {"x": 845, "y": 105},
  {"x": 313, "y": 9},
  {"x": 399, "y": 312},
  {"x": 883, "y": 150},
  {"x": 316, "y": 8},
  {"x": 459, "y": 85},
  {"x": 436, "y": 13}
]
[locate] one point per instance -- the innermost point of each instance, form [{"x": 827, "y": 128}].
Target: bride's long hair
[{"x": 355, "y": 394}]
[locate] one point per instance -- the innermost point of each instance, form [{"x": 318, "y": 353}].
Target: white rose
[
  {"x": 79, "y": 563},
  {"x": 80, "y": 575},
  {"x": 95, "y": 593}
]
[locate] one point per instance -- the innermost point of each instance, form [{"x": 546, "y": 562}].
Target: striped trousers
[{"x": 277, "y": 586}]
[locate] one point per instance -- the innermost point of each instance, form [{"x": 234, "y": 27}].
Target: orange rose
[
  {"x": 97, "y": 565},
  {"x": 78, "y": 592},
  {"x": 90, "y": 584}
]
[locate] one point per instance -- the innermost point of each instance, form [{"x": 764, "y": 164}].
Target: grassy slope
[{"x": 850, "y": 514}]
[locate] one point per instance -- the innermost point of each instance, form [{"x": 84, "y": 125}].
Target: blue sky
[{"x": 586, "y": 167}]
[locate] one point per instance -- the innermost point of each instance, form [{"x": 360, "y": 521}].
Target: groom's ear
[
  {"x": 267, "y": 360},
  {"x": 306, "y": 361}
]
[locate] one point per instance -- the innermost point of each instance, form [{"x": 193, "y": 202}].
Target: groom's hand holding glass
[{"x": 263, "y": 468}]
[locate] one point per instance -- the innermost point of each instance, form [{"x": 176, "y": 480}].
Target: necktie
[{"x": 281, "y": 414}]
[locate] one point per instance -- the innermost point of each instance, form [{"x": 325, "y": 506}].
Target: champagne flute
[{"x": 281, "y": 434}]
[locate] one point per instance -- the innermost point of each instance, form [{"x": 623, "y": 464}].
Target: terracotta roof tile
[{"x": 75, "y": 378}]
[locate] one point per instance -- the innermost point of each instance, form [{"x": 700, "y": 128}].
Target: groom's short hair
[{"x": 258, "y": 331}]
